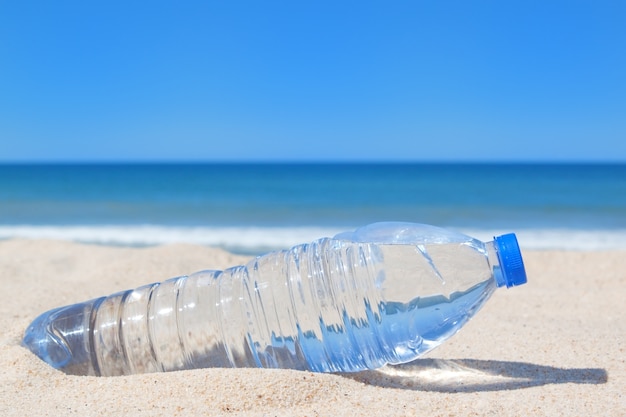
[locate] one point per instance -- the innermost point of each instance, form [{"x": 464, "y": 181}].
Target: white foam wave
[
  {"x": 562, "y": 239},
  {"x": 254, "y": 239},
  {"x": 242, "y": 239}
]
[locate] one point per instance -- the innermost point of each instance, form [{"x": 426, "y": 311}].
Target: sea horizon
[{"x": 250, "y": 207}]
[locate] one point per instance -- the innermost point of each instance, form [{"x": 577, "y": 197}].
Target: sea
[{"x": 251, "y": 208}]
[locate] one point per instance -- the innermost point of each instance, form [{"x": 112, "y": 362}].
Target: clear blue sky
[{"x": 312, "y": 80}]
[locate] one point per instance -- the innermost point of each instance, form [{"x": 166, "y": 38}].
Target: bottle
[{"x": 383, "y": 294}]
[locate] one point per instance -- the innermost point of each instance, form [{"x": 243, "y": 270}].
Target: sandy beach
[{"x": 556, "y": 346}]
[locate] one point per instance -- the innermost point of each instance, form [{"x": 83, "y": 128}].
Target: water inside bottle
[{"x": 410, "y": 298}]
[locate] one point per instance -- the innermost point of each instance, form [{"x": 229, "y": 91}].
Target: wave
[
  {"x": 237, "y": 239},
  {"x": 253, "y": 240},
  {"x": 560, "y": 239}
]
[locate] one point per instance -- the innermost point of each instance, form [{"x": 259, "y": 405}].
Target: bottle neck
[{"x": 494, "y": 262}]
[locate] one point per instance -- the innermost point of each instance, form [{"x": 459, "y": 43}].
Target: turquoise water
[{"x": 251, "y": 207}]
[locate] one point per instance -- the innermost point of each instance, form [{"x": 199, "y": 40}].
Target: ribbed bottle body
[{"x": 313, "y": 307}]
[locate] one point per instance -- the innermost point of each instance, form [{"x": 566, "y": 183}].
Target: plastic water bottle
[{"x": 383, "y": 294}]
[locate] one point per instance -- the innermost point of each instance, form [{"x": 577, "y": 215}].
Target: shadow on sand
[{"x": 472, "y": 375}]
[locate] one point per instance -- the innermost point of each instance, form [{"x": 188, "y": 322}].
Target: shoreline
[
  {"x": 531, "y": 350},
  {"x": 248, "y": 240}
]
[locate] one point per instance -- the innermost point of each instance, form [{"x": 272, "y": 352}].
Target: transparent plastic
[{"x": 383, "y": 294}]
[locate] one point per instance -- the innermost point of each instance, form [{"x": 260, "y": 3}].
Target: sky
[{"x": 89, "y": 81}]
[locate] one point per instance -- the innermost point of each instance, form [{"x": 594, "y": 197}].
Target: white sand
[{"x": 556, "y": 346}]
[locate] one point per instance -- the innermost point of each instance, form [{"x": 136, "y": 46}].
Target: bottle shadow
[{"x": 473, "y": 375}]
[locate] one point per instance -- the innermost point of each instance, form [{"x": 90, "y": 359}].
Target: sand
[{"x": 556, "y": 346}]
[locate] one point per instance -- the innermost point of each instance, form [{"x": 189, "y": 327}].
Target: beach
[{"x": 555, "y": 346}]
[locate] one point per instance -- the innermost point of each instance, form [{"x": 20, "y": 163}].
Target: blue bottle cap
[{"x": 510, "y": 257}]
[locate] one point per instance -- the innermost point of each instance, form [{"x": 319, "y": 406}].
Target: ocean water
[{"x": 252, "y": 208}]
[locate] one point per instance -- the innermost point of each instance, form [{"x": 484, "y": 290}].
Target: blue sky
[{"x": 317, "y": 80}]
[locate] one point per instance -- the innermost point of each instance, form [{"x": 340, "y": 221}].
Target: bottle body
[{"x": 386, "y": 293}]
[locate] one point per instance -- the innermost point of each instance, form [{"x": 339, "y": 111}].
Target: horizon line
[{"x": 317, "y": 162}]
